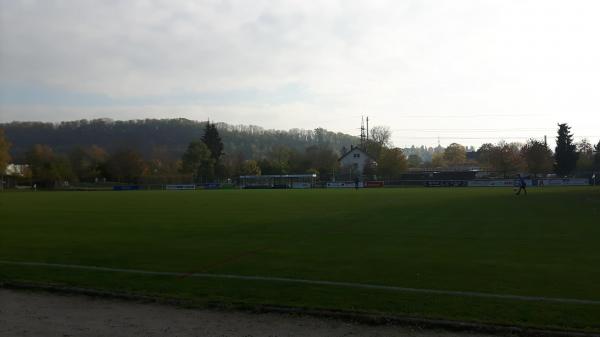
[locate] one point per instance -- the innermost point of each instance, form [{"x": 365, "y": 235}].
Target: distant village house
[{"x": 355, "y": 160}]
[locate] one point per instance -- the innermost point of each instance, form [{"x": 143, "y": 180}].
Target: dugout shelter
[{"x": 279, "y": 181}]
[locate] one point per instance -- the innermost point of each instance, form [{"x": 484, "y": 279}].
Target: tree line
[
  {"x": 165, "y": 136},
  {"x": 205, "y": 159},
  {"x": 534, "y": 157}
]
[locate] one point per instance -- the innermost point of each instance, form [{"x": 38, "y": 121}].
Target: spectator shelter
[{"x": 279, "y": 181}]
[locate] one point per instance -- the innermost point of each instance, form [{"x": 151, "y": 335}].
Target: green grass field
[{"x": 546, "y": 244}]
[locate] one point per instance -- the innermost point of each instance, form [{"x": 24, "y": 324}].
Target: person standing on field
[
  {"x": 522, "y": 185},
  {"x": 356, "y": 181}
]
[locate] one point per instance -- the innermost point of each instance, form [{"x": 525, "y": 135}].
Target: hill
[{"x": 170, "y": 136}]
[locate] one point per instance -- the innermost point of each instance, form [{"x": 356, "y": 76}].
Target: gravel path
[{"x": 24, "y": 313}]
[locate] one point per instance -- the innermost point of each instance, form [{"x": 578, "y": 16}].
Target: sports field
[{"x": 463, "y": 254}]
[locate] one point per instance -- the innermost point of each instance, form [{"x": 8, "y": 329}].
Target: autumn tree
[
  {"x": 484, "y": 154},
  {"x": 321, "y": 160},
  {"x": 565, "y": 155},
  {"x": 414, "y": 160},
  {"x": 47, "y": 168},
  {"x": 88, "y": 162},
  {"x": 233, "y": 163},
  {"x": 537, "y": 157},
  {"x": 279, "y": 157},
  {"x": 4, "y": 157},
  {"x": 455, "y": 154},
  {"x": 4, "y": 152},
  {"x": 585, "y": 150},
  {"x": 437, "y": 160},
  {"x": 505, "y": 158},
  {"x": 162, "y": 162},
  {"x": 126, "y": 165},
  {"x": 268, "y": 167},
  {"x": 597, "y": 156},
  {"x": 250, "y": 168},
  {"x": 391, "y": 163},
  {"x": 372, "y": 148}
]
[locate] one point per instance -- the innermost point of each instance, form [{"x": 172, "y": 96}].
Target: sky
[{"x": 431, "y": 70}]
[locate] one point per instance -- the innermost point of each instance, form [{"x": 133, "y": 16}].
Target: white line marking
[{"x": 311, "y": 282}]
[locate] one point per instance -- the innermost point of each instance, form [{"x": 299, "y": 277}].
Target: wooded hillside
[{"x": 170, "y": 136}]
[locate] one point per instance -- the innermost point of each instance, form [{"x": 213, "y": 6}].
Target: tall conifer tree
[
  {"x": 566, "y": 155},
  {"x": 213, "y": 141}
]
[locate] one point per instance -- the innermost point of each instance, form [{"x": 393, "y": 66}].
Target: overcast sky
[{"x": 464, "y": 71}]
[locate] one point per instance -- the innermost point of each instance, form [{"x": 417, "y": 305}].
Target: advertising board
[
  {"x": 564, "y": 182},
  {"x": 498, "y": 183},
  {"x": 373, "y": 184},
  {"x": 126, "y": 188},
  {"x": 346, "y": 184},
  {"x": 300, "y": 185}
]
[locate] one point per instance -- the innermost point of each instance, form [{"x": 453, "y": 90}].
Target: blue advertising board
[
  {"x": 211, "y": 186},
  {"x": 126, "y": 188}
]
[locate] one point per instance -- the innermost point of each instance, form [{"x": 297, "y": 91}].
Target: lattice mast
[{"x": 362, "y": 132}]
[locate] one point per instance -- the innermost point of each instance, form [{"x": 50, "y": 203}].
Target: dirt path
[{"x": 24, "y": 313}]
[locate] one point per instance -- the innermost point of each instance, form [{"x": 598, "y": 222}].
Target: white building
[{"x": 356, "y": 159}]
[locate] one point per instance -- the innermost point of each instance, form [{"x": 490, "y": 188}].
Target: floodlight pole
[{"x": 594, "y": 173}]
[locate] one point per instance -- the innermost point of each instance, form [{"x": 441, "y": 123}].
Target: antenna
[
  {"x": 362, "y": 131},
  {"x": 545, "y": 141},
  {"x": 367, "y": 128}
]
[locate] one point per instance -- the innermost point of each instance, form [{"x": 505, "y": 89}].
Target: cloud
[{"x": 303, "y": 63}]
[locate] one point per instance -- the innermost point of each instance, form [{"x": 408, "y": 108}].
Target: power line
[
  {"x": 469, "y": 129},
  {"x": 474, "y": 116},
  {"x": 459, "y": 137},
  {"x": 472, "y": 130},
  {"x": 424, "y": 116}
]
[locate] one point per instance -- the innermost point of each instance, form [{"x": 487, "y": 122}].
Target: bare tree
[{"x": 382, "y": 135}]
